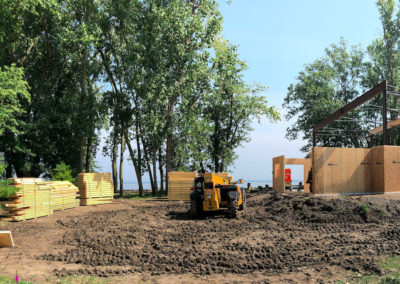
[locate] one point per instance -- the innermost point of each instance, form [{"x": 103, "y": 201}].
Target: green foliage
[
  {"x": 62, "y": 172},
  {"x": 13, "y": 89},
  {"x": 164, "y": 70},
  {"x": 231, "y": 106},
  {"x": 323, "y": 87},
  {"x": 364, "y": 210},
  {"x": 5, "y": 189}
]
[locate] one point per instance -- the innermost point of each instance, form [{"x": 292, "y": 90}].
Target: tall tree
[{"x": 323, "y": 87}]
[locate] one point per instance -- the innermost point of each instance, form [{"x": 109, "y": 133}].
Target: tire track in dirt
[{"x": 278, "y": 233}]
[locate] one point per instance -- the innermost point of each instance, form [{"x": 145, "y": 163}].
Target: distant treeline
[{"x": 155, "y": 75}]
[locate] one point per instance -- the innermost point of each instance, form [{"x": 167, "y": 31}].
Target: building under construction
[{"x": 336, "y": 170}]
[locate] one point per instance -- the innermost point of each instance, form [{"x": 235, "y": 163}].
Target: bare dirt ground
[{"x": 288, "y": 237}]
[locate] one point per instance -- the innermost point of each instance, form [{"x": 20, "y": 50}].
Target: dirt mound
[{"x": 278, "y": 233}]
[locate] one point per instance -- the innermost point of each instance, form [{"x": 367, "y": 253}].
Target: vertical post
[
  {"x": 384, "y": 114},
  {"x": 314, "y": 142}
]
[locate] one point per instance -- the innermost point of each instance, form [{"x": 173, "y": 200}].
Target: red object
[
  {"x": 192, "y": 188},
  {"x": 288, "y": 175}
]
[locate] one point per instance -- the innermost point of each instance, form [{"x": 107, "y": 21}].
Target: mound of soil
[{"x": 277, "y": 233}]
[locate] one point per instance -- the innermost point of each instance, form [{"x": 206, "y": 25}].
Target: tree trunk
[
  {"x": 121, "y": 165},
  {"x": 114, "y": 160},
  {"x": 160, "y": 168},
  {"x": 146, "y": 157},
  {"x": 155, "y": 170},
  {"x": 135, "y": 165},
  {"x": 82, "y": 100},
  {"x": 88, "y": 154},
  {"x": 168, "y": 158},
  {"x": 139, "y": 160}
]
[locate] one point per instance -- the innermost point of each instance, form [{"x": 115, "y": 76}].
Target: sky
[{"x": 277, "y": 38}]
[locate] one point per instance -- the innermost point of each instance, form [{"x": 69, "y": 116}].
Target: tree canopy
[{"x": 156, "y": 76}]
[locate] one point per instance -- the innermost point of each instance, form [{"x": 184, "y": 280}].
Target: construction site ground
[{"x": 281, "y": 237}]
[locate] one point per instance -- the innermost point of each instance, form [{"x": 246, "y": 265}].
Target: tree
[
  {"x": 13, "y": 90},
  {"x": 232, "y": 106},
  {"x": 384, "y": 64},
  {"x": 62, "y": 172},
  {"x": 322, "y": 88}
]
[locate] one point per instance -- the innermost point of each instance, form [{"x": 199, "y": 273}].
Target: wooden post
[{"x": 384, "y": 114}]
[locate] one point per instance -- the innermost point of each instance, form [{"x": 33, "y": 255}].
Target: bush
[
  {"x": 6, "y": 190},
  {"x": 62, "y": 172},
  {"x": 364, "y": 210}
]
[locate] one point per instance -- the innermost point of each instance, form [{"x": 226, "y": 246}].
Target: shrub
[
  {"x": 364, "y": 210},
  {"x": 62, "y": 172},
  {"x": 6, "y": 190}
]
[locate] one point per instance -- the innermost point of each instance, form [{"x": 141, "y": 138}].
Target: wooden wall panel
[
  {"x": 377, "y": 169},
  {"x": 391, "y": 158},
  {"x": 341, "y": 170},
  {"x": 278, "y": 173},
  {"x": 347, "y": 170},
  {"x": 317, "y": 170},
  {"x": 352, "y": 170},
  {"x": 363, "y": 171}
]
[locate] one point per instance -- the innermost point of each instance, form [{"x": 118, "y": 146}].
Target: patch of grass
[
  {"x": 364, "y": 210},
  {"x": 390, "y": 268},
  {"x": 8, "y": 280},
  {"x": 341, "y": 210}
]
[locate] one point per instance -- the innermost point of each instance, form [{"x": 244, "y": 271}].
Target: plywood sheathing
[
  {"x": 278, "y": 173},
  {"x": 356, "y": 170},
  {"x": 6, "y": 239},
  {"x": 180, "y": 184},
  {"x": 95, "y": 188}
]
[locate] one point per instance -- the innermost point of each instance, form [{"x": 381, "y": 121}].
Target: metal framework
[{"x": 339, "y": 115}]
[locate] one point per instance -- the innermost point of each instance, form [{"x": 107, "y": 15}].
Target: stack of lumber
[
  {"x": 29, "y": 202},
  {"x": 63, "y": 194},
  {"x": 95, "y": 188},
  {"x": 180, "y": 184}
]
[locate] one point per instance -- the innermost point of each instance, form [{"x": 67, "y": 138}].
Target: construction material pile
[
  {"x": 29, "y": 201},
  {"x": 180, "y": 184},
  {"x": 63, "y": 194},
  {"x": 95, "y": 188}
]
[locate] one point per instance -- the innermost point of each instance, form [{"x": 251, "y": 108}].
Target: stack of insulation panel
[
  {"x": 29, "y": 202},
  {"x": 180, "y": 184},
  {"x": 63, "y": 194},
  {"x": 95, "y": 188}
]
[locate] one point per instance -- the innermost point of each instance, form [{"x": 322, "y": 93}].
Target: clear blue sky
[{"x": 276, "y": 38}]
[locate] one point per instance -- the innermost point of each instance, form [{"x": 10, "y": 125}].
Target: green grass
[
  {"x": 391, "y": 273},
  {"x": 364, "y": 210},
  {"x": 135, "y": 195},
  {"x": 7, "y": 280}
]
